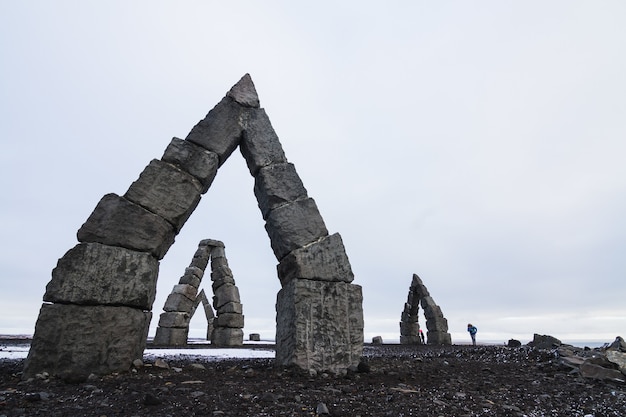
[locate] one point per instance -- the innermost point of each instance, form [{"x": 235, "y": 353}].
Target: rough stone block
[
  {"x": 174, "y": 319},
  {"x": 96, "y": 274},
  {"x": 232, "y": 307},
  {"x": 201, "y": 258},
  {"x": 178, "y": 302},
  {"x": 293, "y": 226},
  {"x": 226, "y": 336},
  {"x": 187, "y": 290},
  {"x": 377, "y": 340},
  {"x": 167, "y": 191},
  {"x": 233, "y": 320},
  {"x": 324, "y": 260},
  {"x": 171, "y": 336},
  {"x": 437, "y": 324},
  {"x": 218, "y": 262},
  {"x": 260, "y": 145},
  {"x": 319, "y": 325},
  {"x": 409, "y": 328},
  {"x": 438, "y": 338},
  {"x": 254, "y": 337},
  {"x": 244, "y": 92},
  {"x": 192, "y": 280},
  {"x": 74, "y": 341},
  {"x": 277, "y": 184},
  {"x": 193, "y": 159},
  {"x": 225, "y": 294},
  {"x": 222, "y": 279},
  {"x": 118, "y": 222},
  {"x": 221, "y": 130},
  {"x": 218, "y": 252}
]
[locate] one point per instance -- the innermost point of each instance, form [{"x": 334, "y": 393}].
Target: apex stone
[{"x": 244, "y": 92}]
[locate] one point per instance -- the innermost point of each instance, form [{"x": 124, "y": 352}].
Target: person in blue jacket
[{"x": 472, "y": 331}]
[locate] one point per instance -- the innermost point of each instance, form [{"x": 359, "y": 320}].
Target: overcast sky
[{"x": 481, "y": 145}]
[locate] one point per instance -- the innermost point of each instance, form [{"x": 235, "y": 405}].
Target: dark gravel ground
[{"x": 393, "y": 380}]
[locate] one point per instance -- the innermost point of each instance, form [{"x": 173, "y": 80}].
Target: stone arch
[
  {"x": 97, "y": 306},
  {"x": 436, "y": 323},
  {"x": 180, "y": 306}
]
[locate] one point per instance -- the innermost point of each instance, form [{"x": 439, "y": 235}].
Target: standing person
[
  {"x": 472, "y": 331},
  {"x": 422, "y": 336}
]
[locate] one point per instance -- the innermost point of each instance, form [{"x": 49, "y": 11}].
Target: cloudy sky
[{"x": 481, "y": 145}]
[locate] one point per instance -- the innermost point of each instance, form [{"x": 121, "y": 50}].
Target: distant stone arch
[
  {"x": 436, "y": 323},
  {"x": 180, "y": 306},
  {"x": 98, "y": 303}
]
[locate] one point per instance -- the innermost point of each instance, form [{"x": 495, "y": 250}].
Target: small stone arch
[
  {"x": 436, "y": 323},
  {"x": 97, "y": 306},
  {"x": 180, "y": 306}
]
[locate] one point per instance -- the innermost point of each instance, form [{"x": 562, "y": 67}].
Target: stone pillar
[{"x": 228, "y": 325}]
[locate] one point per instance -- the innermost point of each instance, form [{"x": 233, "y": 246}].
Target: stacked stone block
[
  {"x": 115, "y": 265},
  {"x": 436, "y": 324}
]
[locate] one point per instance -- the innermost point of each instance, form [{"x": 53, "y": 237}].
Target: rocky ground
[{"x": 392, "y": 380}]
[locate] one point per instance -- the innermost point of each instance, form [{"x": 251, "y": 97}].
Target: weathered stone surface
[
  {"x": 220, "y": 272},
  {"x": 178, "y": 302},
  {"x": 410, "y": 328},
  {"x": 211, "y": 243},
  {"x": 167, "y": 191},
  {"x": 277, "y": 184},
  {"x": 218, "y": 252},
  {"x": 437, "y": 324},
  {"x": 324, "y": 260},
  {"x": 377, "y": 340},
  {"x": 590, "y": 370},
  {"x": 410, "y": 340},
  {"x": 79, "y": 340},
  {"x": 192, "y": 280},
  {"x": 234, "y": 320},
  {"x": 225, "y": 294},
  {"x": 201, "y": 258},
  {"x": 544, "y": 341},
  {"x": 438, "y": 338},
  {"x": 294, "y": 226},
  {"x": 254, "y": 337},
  {"x": 226, "y": 336},
  {"x": 218, "y": 262},
  {"x": 244, "y": 92},
  {"x": 96, "y": 274},
  {"x": 193, "y": 159},
  {"x": 171, "y": 336},
  {"x": 221, "y": 280},
  {"x": 618, "y": 358},
  {"x": 118, "y": 222},
  {"x": 187, "y": 290},
  {"x": 260, "y": 146},
  {"x": 208, "y": 311},
  {"x": 231, "y": 307},
  {"x": 431, "y": 309},
  {"x": 319, "y": 325},
  {"x": 174, "y": 319},
  {"x": 221, "y": 130}
]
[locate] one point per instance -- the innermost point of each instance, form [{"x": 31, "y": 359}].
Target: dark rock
[{"x": 512, "y": 343}]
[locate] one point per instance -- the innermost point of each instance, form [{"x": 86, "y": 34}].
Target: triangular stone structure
[
  {"x": 98, "y": 304},
  {"x": 436, "y": 323},
  {"x": 181, "y": 304}
]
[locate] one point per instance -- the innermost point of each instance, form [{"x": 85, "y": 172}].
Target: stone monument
[
  {"x": 436, "y": 323},
  {"x": 97, "y": 306}
]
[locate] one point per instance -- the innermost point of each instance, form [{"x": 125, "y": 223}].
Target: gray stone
[
  {"x": 221, "y": 130},
  {"x": 118, "y": 222},
  {"x": 409, "y": 328},
  {"x": 277, "y": 184},
  {"x": 174, "y": 319},
  {"x": 324, "y": 260},
  {"x": 86, "y": 339},
  {"x": 544, "y": 342},
  {"x": 93, "y": 274},
  {"x": 437, "y": 324},
  {"x": 260, "y": 146},
  {"x": 187, "y": 290},
  {"x": 201, "y": 258},
  {"x": 171, "y": 336},
  {"x": 294, "y": 226},
  {"x": 221, "y": 280},
  {"x": 244, "y": 92},
  {"x": 410, "y": 340},
  {"x": 211, "y": 243},
  {"x": 377, "y": 340},
  {"x": 319, "y": 325},
  {"x": 438, "y": 338},
  {"x": 226, "y": 336},
  {"x": 218, "y": 252},
  {"x": 167, "y": 191},
  {"x": 590, "y": 370},
  {"x": 178, "y": 302},
  {"x": 218, "y": 262},
  {"x": 192, "y": 280},
  {"x": 193, "y": 159},
  {"x": 231, "y": 307},
  {"x": 233, "y": 320},
  {"x": 618, "y": 358},
  {"x": 225, "y": 294},
  {"x": 254, "y": 337}
]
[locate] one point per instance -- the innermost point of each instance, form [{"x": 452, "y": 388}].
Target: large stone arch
[{"x": 97, "y": 306}]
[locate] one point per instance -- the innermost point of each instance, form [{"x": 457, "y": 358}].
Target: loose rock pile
[{"x": 606, "y": 363}]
